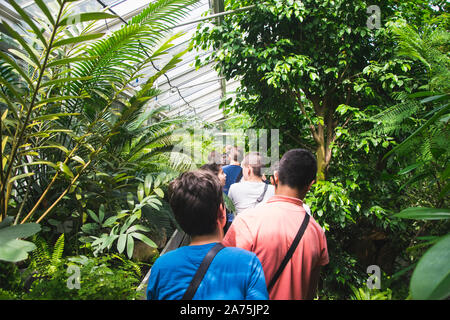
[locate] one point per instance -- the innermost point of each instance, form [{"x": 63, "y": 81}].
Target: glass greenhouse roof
[{"x": 186, "y": 90}]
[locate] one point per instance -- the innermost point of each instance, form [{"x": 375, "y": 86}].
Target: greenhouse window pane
[{"x": 111, "y": 3}]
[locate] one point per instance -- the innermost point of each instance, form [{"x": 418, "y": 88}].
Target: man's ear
[
  {"x": 222, "y": 215},
  {"x": 275, "y": 178},
  {"x": 310, "y": 185}
]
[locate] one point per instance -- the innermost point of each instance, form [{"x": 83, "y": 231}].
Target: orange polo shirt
[{"x": 268, "y": 230}]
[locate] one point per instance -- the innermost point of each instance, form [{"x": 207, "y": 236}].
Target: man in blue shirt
[
  {"x": 234, "y": 274},
  {"x": 233, "y": 170}
]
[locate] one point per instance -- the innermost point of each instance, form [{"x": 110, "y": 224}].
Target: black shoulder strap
[
  {"x": 290, "y": 252},
  {"x": 239, "y": 177},
  {"x": 198, "y": 277},
  {"x": 261, "y": 197}
]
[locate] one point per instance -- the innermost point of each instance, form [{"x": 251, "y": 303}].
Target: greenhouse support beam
[
  {"x": 212, "y": 16},
  {"x": 216, "y": 15}
]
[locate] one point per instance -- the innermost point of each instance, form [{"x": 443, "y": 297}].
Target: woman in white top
[{"x": 251, "y": 190}]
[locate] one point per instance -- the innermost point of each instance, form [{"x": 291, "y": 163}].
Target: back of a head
[
  {"x": 297, "y": 169},
  {"x": 235, "y": 154},
  {"x": 212, "y": 167},
  {"x": 215, "y": 157},
  {"x": 195, "y": 197},
  {"x": 255, "y": 161}
]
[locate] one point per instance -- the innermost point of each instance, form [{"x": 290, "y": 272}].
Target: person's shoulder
[
  {"x": 229, "y": 167},
  {"x": 316, "y": 226},
  {"x": 169, "y": 259},
  {"x": 237, "y": 186},
  {"x": 239, "y": 253}
]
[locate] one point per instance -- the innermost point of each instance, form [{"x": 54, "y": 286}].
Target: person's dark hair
[
  {"x": 297, "y": 169},
  {"x": 213, "y": 167},
  {"x": 195, "y": 197}
]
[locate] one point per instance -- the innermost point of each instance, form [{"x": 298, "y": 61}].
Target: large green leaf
[
  {"x": 431, "y": 278},
  {"x": 19, "y": 231},
  {"x": 424, "y": 213},
  {"x": 13, "y": 249}
]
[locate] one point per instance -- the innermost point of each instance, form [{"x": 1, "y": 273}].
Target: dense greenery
[
  {"x": 85, "y": 164},
  {"x": 81, "y": 153}
]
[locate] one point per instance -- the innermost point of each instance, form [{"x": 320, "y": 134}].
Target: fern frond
[
  {"x": 393, "y": 120},
  {"x": 41, "y": 255},
  {"x": 58, "y": 250}
]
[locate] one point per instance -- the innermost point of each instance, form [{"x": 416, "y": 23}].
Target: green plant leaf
[
  {"x": 45, "y": 10},
  {"x": 130, "y": 246},
  {"x": 67, "y": 61},
  {"x": 110, "y": 221},
  {"x": 83, "y": 17},
  {"x": 424, "y": 213},
  {"x": 29, "y": 21},
  {"x": 121, "y": 242},
  {"x": 19, "y": 231},
  {"x": 64, "y": 168},
  {"x": 101, "y": 213},
  {"x": 93, "y": 215},
  {"x": 77, "y": 40},
  {"x": 15, "y": 250},
  {"x": 148, "y": 184},
  {"x": 11, "y": 32},
  {"x": 431, "y": 278},
  {"x": 144, "y": 239},
  {"x": 79, "y": 160},
  {"x": 64, "y": 80},
  {"x": 21, "y": 176},
  {"x": 159, "y": 192},
  {"x": 140, "y": 192}
]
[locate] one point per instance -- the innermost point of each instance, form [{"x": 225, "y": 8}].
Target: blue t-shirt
[
  {"x": 234, "y": 274},
  {"x": 232, "y": 171}
]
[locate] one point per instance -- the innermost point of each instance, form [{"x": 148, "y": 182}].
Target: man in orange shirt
[{"x": 269, "y": 230}]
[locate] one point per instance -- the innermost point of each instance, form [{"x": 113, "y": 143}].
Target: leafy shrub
[{"x": 104, "y": 278}]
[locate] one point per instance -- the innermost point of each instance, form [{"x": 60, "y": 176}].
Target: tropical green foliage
[
  {"x": 429, "y": 163},
  {"x": 108, "y": 277},
  {"x": 14, "y": 249},
  {"x": 85, "y": 164},
  {"x": 80, "y": 145},
  {"x": 70, "y": 120}
]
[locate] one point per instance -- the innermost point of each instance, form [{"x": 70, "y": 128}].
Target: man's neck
[
  {"x": 282, "y": 190},
  {"x": 205, "y": 239},
  {"x": 253, "y": 179},
  {"x": 234, "y": 163}
]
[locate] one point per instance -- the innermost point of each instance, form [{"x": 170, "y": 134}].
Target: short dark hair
[
  {"x": 195, "y": 198},
  {"x": 212, "y": 167},
  {"x": 297, "y": 169}
]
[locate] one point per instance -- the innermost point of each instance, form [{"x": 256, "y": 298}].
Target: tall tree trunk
[
  {"x": 322, "y": 132},
  {"x": 322, "y": 163}
]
